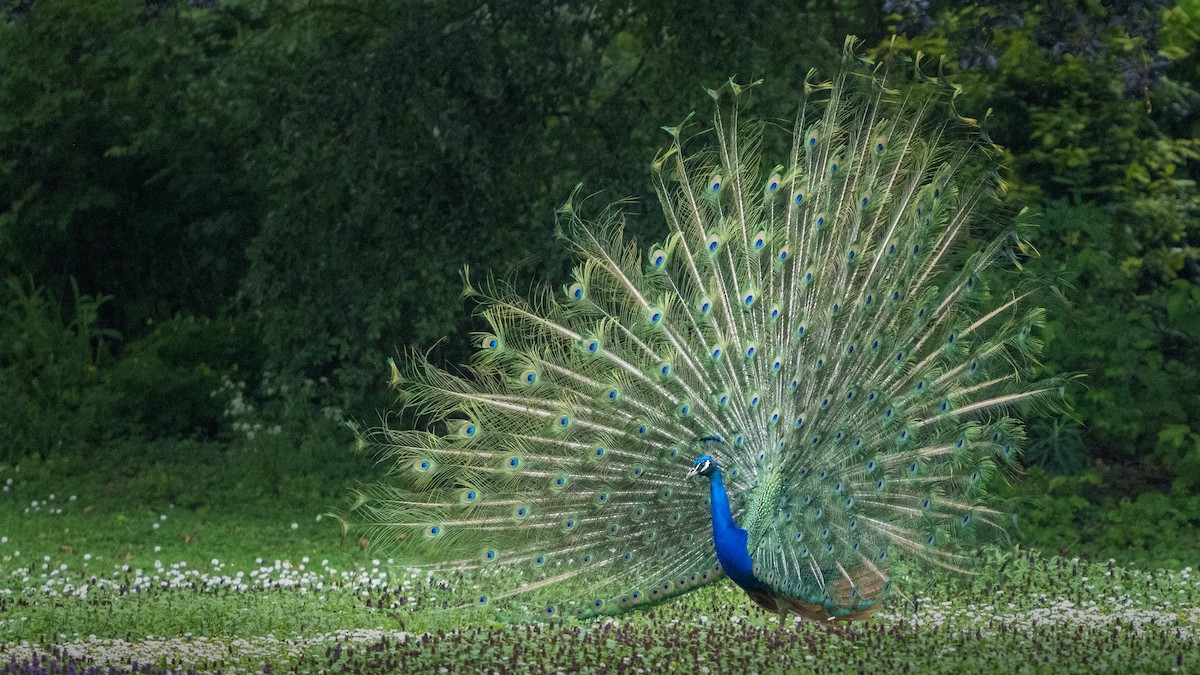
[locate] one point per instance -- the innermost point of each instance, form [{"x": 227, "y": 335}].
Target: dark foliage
[{"x": 313, "y": 178}]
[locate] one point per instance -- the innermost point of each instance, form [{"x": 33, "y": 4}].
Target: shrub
[
  {"x": 168, "y": 384},
  {"x": 50, "y": 360}
]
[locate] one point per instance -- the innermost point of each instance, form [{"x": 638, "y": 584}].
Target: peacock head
[{"x": 705, "y": 466}]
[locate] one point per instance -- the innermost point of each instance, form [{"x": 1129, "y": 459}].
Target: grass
[{"x": 90, "y": 577}]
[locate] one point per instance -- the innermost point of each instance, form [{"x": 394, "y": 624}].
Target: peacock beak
[{"x": 692, "y": 471}]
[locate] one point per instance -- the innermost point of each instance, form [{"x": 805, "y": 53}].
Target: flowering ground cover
[{"x": 129, "y": 587}]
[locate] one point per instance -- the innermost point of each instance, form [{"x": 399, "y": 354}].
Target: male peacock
[{"x": 816, "y": 339}]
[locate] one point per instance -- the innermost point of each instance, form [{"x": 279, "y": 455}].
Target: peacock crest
[{"x": 807, "y": 376}]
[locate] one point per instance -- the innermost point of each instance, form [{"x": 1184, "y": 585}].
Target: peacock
[{"x": 813, "y": 373}]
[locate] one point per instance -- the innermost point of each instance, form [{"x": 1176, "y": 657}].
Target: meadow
[{"x": 95, "y": 581}]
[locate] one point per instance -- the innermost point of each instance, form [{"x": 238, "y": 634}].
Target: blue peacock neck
[{"x": 729, "y": 539}]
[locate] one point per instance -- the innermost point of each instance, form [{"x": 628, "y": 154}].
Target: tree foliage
[
  {"x": 315, "y": 176},
  {"x": 122, "y": 163}
]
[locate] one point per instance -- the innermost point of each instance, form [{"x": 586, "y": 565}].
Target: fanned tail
[{"x": 831, "y": 319}]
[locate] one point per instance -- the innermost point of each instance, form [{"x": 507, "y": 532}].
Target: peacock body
[{"x": 815, "y": 340}]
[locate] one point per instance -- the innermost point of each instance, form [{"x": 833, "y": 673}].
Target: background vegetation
[{"x": 217, "y": 219}]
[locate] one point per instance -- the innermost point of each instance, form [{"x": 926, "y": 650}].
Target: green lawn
[{"x": 93, "y": 576}]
